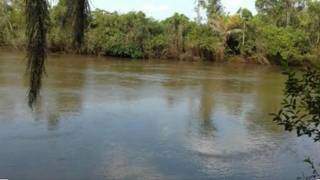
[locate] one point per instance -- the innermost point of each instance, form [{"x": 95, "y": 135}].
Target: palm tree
[
  {"x": 37, "y": 20},
  {"x": 245, "y": 15}
]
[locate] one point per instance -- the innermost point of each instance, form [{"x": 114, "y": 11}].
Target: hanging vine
[
  {"x": 79, "y": 12},
  {"x": 37, "y": 21}
]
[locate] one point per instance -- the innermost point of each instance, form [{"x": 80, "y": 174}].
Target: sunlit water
[{"x": 118, "y": 119}]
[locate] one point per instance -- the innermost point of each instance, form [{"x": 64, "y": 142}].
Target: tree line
[{"x": 282, "y": 30}]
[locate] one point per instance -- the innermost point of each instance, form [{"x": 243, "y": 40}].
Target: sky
[{"x": 161, "y": 9}]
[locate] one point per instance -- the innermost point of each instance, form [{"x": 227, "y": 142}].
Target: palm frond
[
  {"x": 79, "y": 12},
  {"x": 37, "y": 19}
]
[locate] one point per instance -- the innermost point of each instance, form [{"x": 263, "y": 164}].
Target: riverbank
[
  {"x": 226, "y": 60},
  {"x": 236, "y": 60}
]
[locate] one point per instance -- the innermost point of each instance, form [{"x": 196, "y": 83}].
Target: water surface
[{"x": 104, "y": 118}]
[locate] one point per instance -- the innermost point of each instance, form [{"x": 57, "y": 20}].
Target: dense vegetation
[{"x": 282, "y": 30}]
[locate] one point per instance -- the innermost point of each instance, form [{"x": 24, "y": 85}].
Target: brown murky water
[{"x": 121, "y": 119}]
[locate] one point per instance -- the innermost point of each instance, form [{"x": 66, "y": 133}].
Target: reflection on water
[{"x": 119, "y": 119}]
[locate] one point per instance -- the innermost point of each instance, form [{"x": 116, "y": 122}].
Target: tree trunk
[
  {"x": 244, "y": 33},
  {"x": 288, "y": 13}
]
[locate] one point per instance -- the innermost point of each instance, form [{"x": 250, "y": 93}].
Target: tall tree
[
  {"x": 312, "y": 22},
  {"x": 199, "y": 5},
  {"x": 177, "y": 26},
  {"x": 221, "y": 25},
  {"x": 270, "y": 9},
  {"x": 214, "y": 13},
  {"x": 282, "y": 13},
  {"x": 246, "y": 16}
]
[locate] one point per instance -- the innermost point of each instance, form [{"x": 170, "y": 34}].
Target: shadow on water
[{"x": 63, "y": 91}]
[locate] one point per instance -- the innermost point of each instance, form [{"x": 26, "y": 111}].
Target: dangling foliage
[
  {"x": 78, "y": 11},
  {"x": 37, "y": 19},
  {"x": 301, "y": 106}
]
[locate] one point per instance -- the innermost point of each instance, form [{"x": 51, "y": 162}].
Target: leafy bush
[
  {"x": 301, "y": 107},
  {"x": 202, "y": 41},
  {"x": 287, "y": 43}
]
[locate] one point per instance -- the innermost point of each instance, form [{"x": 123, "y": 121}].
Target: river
[{"x": 105, "y": 118}]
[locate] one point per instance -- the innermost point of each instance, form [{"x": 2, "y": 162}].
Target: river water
[{"x": 104, "y": 118}]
